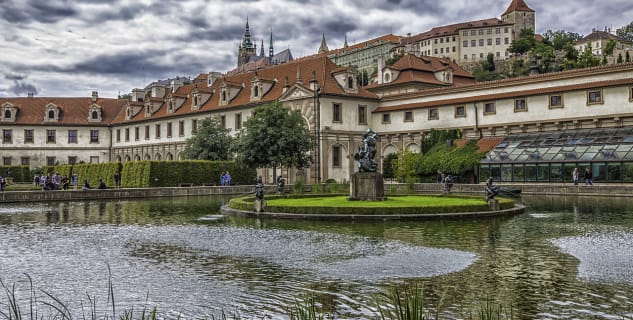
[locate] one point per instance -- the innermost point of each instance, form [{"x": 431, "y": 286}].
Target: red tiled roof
[
  {"x": 73, "y": 111},
  {"x": 518, "y": 5},
  {"x": 601, "y": 35},
  {"x": 484, "y": 144}
]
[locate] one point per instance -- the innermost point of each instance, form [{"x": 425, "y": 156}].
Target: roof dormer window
[
  {"x": 95, "y": 113},
  {"x": 256, "y": 91},
  {"x": 52, "y": 113},
  {"x": 9, "y": 112},
  {"x": 350, "y": 82}
]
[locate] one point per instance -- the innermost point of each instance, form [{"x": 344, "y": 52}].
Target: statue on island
[
  {"x": 491, "y": 191},
  {"x": 259, "y": 189},
  {"x": 367, "y": 152}
]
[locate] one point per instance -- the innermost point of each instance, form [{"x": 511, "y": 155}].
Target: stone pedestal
[
  {"x": 260, "y": 205},
  {"x": 367, "y": 186},
  {"x": 493, "y": 205}
]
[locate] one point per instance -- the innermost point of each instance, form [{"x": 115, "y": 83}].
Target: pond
[{"x": 565, "y": 258}]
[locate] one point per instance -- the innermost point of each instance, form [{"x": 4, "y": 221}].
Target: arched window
[
  {"x": 7, "y": 114},
  {"x": 350, "y": 82},
  {"x": 95, "y": 114},
  {"x": 387, "y": 77},
  {"x": 223, "y": 95},
  {"x": 256, "y": 91},
  {"x": 51, "y": 114},
  {"x": 195, "y": 100}
]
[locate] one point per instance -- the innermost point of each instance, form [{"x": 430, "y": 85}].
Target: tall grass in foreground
[
  {"x": 407, "y": 304},
  {"x": 307, "y": 310}
]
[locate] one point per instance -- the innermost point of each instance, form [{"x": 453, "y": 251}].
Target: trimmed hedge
[
  {"x": 144, "y": 174},
  {"x": 246, "y": 204},
  {"x": 18, "y": 173},
  {"x": 90, "y": 171}
]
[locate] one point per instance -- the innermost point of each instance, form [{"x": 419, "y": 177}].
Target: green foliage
[
  {"x": 560, "y": 39},
  {"x": 89, "y": 171},
  {"x": 317, "y": 188},
  {"x": 439, "y": 136},
  {"x": 407, "y": 304},
  {"x": 297, "y": 188},
  {"x": 405, "y": 165},
  {"x": 210, "y": 142},
  {"x": 144, "y": 174},
  {"x": 272, "y": 137},
  {"x": 450, "y": 160},
  {"x": 626, "y": 32},
  {"x": 608, "y": 50},
  {"x": 586, "y": 59},
  {"x": 524, "y": 43},
  {"x": 387, "y": 165},
  {"x": 545, "y": 57},
  {"x": 307, "y": 310},
  {"x": 18, "y": 173},
  {"x": 394, "y": 58},
  {"x": 485, "y": 70}
]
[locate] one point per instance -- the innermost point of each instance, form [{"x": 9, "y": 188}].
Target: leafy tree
[
  {"x": 626, "y": 32},
  {"x": 545, "y": 56},
  {"x": 451, "y": 160},
  {"x": 404, "y": 168},
  {"x": 485, "y": 70},
  {"x": 388, "y": 164},
  {"x": 524, "y": 43},
  {"x": 608, "y": 50},
  {"x": 210, "y": 142},
  {"x": 394, "y": 58},
  {"x": 438, "y": 136},
  {"x": 560, "y": 39},
  {"x": 274, "y": 136},
  {"x": 587, "y": 59}
]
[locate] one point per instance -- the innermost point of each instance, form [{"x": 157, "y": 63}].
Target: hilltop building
[{"x": 598, "y": 40}]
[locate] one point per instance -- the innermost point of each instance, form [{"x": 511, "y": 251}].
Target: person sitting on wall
[
  {"x": 102, "y": 184},
  {"x": 86, "y": 185}
]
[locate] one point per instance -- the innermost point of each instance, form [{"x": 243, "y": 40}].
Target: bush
[
  {"x": 18, "y": 173},
  {"x": 297, "y": 188}
]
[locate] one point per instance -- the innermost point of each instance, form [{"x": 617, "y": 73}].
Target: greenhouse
[{"x": 552, "y": 156}]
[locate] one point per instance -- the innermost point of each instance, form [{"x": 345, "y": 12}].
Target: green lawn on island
[{"x": 391, "y": 202}]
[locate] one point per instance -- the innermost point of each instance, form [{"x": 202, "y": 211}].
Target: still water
[{"x": 565, "y": 258}]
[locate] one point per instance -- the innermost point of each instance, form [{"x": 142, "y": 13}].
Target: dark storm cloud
[
  {"x": 128, "y": 63},
  {"x": 233, "y": 32},
  {"x": 21, "y": 87},
  {"x": 36, "y": 10},
  {"x": 15, "y": 77}
]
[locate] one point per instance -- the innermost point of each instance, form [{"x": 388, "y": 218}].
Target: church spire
[
  {"x": 246, "y": 40},
  {"x": 261, "y": 50},
  {"x": 345, "y": 44},
  {"x": 271, "y": 52},
  {"x": 323, "y": 47}
]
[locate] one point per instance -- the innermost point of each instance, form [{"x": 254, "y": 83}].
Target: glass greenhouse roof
[{"x": 611, "y": 144}]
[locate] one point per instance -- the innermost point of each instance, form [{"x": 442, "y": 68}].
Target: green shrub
[
  {"x": 18, "y": 173},
  {"x": 297, "y": 188}
]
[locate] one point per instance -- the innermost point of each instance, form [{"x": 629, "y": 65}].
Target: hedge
[
  {"x": 246, "y": 204},
  {"x": 90, "y": 171},
  {"x": 19, "y": 173},
  {"x": 143, "y": 174}
]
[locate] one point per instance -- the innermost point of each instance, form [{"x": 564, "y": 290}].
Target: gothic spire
[
  {"x": 246, "y": 40},
  {"x": 345, "y": 44},
  {"x": 271, "y": 52},
  {"x": 323, "y": 47},
  {"x": 261, "y": 49}
]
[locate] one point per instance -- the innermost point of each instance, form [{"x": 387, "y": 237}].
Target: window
[
  {"x": 350, "y": 82},
  {"x": 168, "y": 129},
  {"x": 520, "y": 105},
  {"x": 481, "y": 42},
  {"x": 50, "y": 161},
  {"x": 127, "y": 134},
  {"x": 50, "y": 136},
  {"x": 454, "y": 49},
  {"x": 94, "y": 115},
  {"x": 505, "y": 30},
  {"x": 94, "y": 136},
  {"x": 498, "y": 30},
  {"x": 465, "y": 33},
  {"x": 137, "y": 134},
  {"x": 481, "y": 55},
  {"x": 25, "y": 161},
  {"x": 489, "y": 108},
  {"x": 441, "y": 40},
  {"x": 441, "y": 50},
  {"x": 481, "y": 32},
  {"x": 28, "y": 136},
  {"x": 7, "y": 136},
  {"x": 7, "y": 114},
  {"x": 51, "y": 114},
  {"x": 498, "y": 54},
  {"x": 594, "y": 97},
  {"x": 435, "y": 41},
  {"x": 256, "y": 91},
  {"x": 194, "y": 126},
  {"x": 498, "y": 41},
  {"x": 118, "y": 135},
  {"x": 408, "y": 116},
  {"x": 473, "y": 43},
  {"x": 506, "y": 40},
  {"x": 362, "y": 114},
  {"x": 433, "y": 114},
  {"x": 72, "y": 160},
  {"x": 223, "y": 121},
  {"x": 336, "y": 156},
  {"x": 631, "y": 94},
  {"x": 473, "y": 32},
  {"x": 157, "y": 131},
  {"x": 94, "y": 159},
  {"x": 489, "y": 42},
  {"x": 473, "y": 56},
  {"x": 336, "y": 112},
  {"x": 489, "y": 31},
  {"x": 386, "y": 118},
  {"x": 460, "y": 112},
  {"x": 555, "y": 101},
  {"x": 435, "y": 51},
  {"x": 146, "y": 132},
  {"x": 6, "y": 161},
  {"x": 238, "y": 121},
  {"x": 465, "y": 57},
  {"x": 72, "y": 136},
  {"x": 181, "y": 128}
]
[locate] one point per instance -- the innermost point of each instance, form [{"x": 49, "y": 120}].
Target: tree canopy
[
  {"x": 211, "y": 141},
  {"x": 626, "y": 32},
  {"x": 274, "y": 136}
]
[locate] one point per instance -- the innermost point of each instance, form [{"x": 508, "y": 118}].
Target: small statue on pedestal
[
  {"x": 259, "y": 195},
  {"x": 491, "y": 191},
  {"x": 281, "y": 182},
  {"x": 367, "y": 152}
]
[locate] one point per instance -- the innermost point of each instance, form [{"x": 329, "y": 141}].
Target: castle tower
[
  {"x": 247, "y": 47},
  {"x": 522, "y": 16}
]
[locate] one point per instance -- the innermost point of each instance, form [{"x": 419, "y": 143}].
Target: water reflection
[{"x": 565, "y": 258}]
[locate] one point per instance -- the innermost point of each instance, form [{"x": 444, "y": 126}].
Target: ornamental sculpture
[{"x": 367, "y": 152}]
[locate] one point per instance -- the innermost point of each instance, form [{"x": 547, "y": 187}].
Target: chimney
[
  {"x": 30, "y": 94},
  {"x": 95, "y": 96},
  {"x": 212, "y": 77}
]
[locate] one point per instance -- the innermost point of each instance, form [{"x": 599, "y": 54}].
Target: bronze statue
[
  {"x": 367, "y": 152},
  {"x": 491, "y": 191}
]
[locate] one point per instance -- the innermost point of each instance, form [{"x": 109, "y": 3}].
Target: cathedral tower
[{"x": 247, "y": 47}]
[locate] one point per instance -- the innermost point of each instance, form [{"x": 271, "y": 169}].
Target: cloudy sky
[{"x": 72, "y": 47}]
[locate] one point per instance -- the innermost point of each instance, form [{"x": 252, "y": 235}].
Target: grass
[{"x": 391, "y": 202}]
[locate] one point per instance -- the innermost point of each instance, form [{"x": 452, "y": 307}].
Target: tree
[
  {"x": 388, "y": 164},
  {"x": 272, "y": 137},
  {"x": 404, "y": 166},
  {"x": 485, "y": 70},
  {"x": 211, "y": 141},
  {"x": 587, "y": 59},
  {"x": 560, "y": 39},
  {"x": 524, "y": 43},
  {"x": 608, "y": 50},
  {"x": 626, "y": 32}
]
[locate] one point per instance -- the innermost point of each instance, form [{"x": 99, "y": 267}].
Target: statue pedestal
[
  {"x": 260, "y": 205},
  {"x": 367, "y": 186},
  {"x": 493, "y": 204}
]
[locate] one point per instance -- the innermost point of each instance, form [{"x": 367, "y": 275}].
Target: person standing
[
  {"x": 1, "y": 183},
  {"x": 227, "y": 179},
  {"x": 222, "y": 179},
  {"x": 75, "y": 180},
  {"x": 588, "y": 177},
  {"x": 117, "y": 180},
  {"x": 575, "y": 176}
]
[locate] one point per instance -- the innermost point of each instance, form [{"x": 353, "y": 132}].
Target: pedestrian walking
[
  {"x": 588, "y": 177},
  {"x": 575, "y": 176}
]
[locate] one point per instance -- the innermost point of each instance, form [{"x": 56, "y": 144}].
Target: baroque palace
[{"x": 530, "y": 125}]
